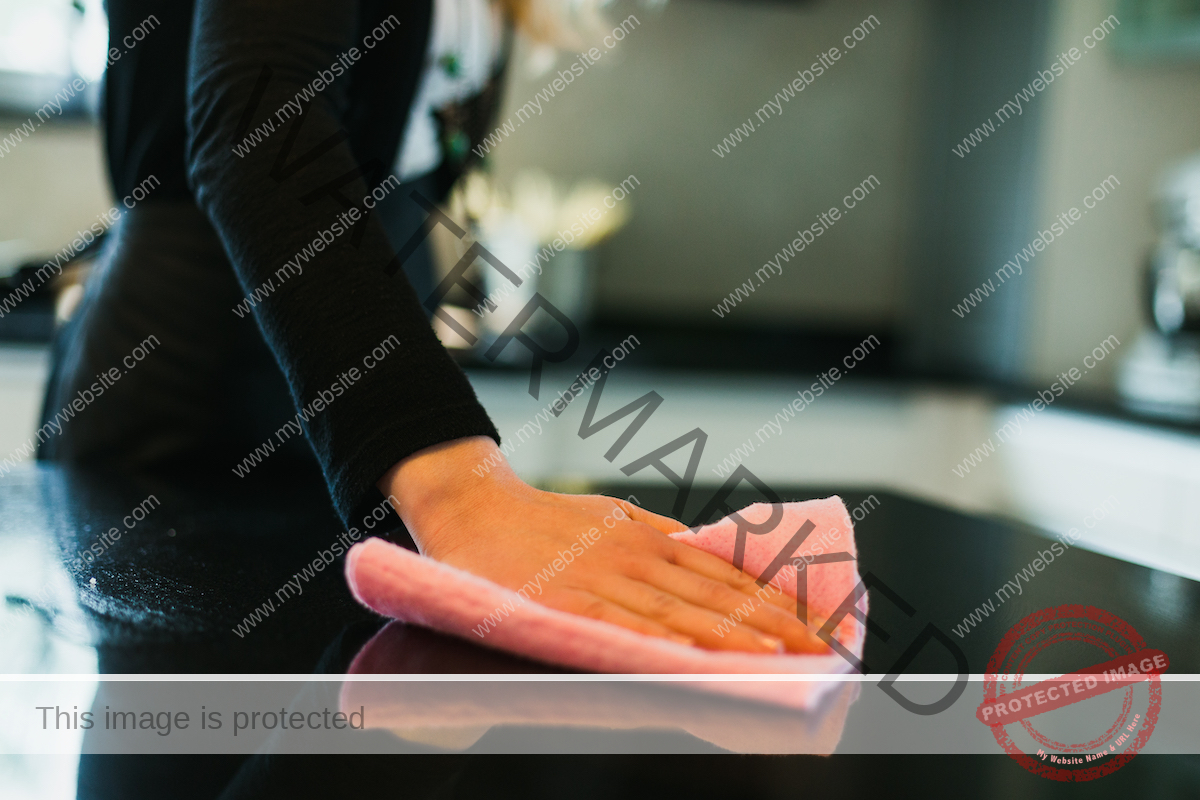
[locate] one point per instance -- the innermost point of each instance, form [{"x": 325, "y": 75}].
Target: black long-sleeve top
[{"x": 215, "y": 70}]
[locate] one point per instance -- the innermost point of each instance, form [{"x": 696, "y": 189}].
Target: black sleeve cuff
[{"x": 352, "y": 479}]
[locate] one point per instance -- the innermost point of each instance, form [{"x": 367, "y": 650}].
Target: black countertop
[{"x": 167, "y": 595}]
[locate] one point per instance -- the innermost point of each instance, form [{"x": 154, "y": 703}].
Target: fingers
[
  {"x": 709, "y": 629},
  {"x": 639, "y": 578},
  {"x": 718, "y": 569},
  {"x": 586, "y": 604},
  {"x": 755, "y": 610},
  {"x": 710, "y": 566}
]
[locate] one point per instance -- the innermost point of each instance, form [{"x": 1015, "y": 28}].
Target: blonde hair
[{"x": 562, "y": 23}]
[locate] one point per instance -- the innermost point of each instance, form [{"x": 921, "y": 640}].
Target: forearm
[{"x": 331, "y": 309}]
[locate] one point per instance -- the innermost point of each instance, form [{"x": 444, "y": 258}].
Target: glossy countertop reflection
[{"x": 169, "y": 594}]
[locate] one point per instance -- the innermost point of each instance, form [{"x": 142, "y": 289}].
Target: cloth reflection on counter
[
  {"x": 455, "y": 714},
  {"x": 408, "y": 587}
]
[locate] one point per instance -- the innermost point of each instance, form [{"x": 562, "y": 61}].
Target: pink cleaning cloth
[
  {"x": 455, "y": 714},
  {"x": 406, "y": 586}
]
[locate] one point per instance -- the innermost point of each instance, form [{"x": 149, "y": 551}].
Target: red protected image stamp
[{"x": 1102, "y": 713}]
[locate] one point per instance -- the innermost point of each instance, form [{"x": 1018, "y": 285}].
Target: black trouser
[{"x": 196, "y": 385}]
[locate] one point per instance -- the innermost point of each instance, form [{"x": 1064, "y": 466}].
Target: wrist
[{"x": 436, "y": 490}]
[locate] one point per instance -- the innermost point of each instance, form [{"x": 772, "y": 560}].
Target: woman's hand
[{"x": 594, "y": 556}]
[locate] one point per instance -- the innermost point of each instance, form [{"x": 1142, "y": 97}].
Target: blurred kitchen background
[{"x": 1117, "y": 457}]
